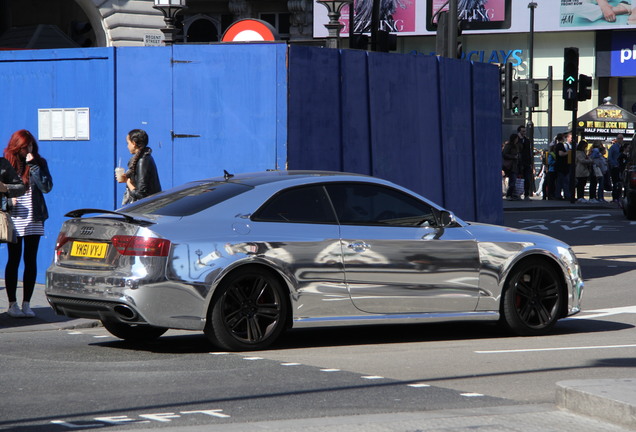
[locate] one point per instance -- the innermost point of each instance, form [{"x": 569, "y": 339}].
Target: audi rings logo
[{"x": 86, "y": 231}]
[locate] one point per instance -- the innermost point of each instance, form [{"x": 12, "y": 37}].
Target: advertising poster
[
  {"x": 582, "y": 14},
  {"x": 473, "y": 14},
  {"x": 395, "y": 16}
]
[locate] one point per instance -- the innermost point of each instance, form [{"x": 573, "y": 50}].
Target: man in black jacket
[{"x": 527, "y": 162}]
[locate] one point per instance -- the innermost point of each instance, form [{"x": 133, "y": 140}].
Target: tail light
[
  {"x": 62, "y": 239},
  {"x": 141, "y": 246}
]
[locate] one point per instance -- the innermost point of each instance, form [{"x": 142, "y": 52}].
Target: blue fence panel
[
  {"x": 314, "y": 124},
  {"x": 144, "y": 101},
  {"x": 227, "y": 109},
  {"x": 356, "y": 142},
  {"x": 400, "y": 140},
  {"x": 487, "y": 139},
  {"x": 457, "y": 136},
  {"x": 81, "y": 170}
]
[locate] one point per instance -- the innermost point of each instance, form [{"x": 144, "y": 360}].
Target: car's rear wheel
[
  {"x": 533, "y": 298},
  {"x": 249, "y": 311},
  {"x": 133, "y": 332}
]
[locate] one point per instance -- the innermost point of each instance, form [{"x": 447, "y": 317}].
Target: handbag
[{"x": 7, "y": 229}]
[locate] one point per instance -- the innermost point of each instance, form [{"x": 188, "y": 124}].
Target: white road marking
[
  {"x": 74, "y": 333},
  {"x": 471, "y": 394},
  {"x": 252, "y": 358},
  {"x": 329, "y": 370},
  {"x": 605, "y": 312},
  {"x": 418, "y": 385},
  {"x": 290, "y": 364},
  {"x": 556, "y": 349},
  {"x": 372, "y": 377}
]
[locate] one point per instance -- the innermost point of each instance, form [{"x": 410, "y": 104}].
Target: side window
[
  {"x": 368, "y": 204},
  {"x": 307, "y": 204}
]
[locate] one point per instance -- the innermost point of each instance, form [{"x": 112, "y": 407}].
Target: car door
[
  {"x": 299, "y": 234},
  {"x": 397, "y": 258}
]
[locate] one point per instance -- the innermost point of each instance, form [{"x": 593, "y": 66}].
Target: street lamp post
[
  {"x": 333, "y": 27},
  {"x": 169, "y": 8}
]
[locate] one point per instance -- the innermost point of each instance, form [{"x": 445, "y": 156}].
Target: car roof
[{"x": 272, "y": 176}]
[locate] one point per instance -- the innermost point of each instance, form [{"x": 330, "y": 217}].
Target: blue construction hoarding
[{"x": 429, "y": 124}]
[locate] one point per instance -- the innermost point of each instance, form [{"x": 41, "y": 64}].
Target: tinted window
[
  {"x": 307, "y": 204},
  {"x": 188, "y": 199},
  {"x": 367, "y": 204}
]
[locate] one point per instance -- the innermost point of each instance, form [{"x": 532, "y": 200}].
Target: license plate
[{"x": 89, "y": 250}]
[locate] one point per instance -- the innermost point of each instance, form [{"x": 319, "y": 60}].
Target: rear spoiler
[{"x": 81, "y": 212}]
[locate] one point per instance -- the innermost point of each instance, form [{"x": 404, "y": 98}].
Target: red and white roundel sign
[{"x": 250, "y": 30}]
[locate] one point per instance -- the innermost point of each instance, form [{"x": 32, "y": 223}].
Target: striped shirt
[{"x": 22, "y": 215}]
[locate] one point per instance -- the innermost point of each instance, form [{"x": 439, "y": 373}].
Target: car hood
[{"x": 497, "y": 233}]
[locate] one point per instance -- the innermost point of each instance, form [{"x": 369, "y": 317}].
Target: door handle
[{"x": 358, "y": 246}]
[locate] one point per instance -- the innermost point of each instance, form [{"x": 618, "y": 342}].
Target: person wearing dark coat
[{"x": 141, "y": 178}]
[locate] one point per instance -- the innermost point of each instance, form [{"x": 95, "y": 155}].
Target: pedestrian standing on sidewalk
[
  {"x": 551, "y": 181},
  {"x": 599, "y": 167},
  {"x": 28, "y": 213},
  {"x": 612, "y": 162},
  {"x": 511, "y": 165},
  {"x": 142, "y": 178},
  {"x": 562, "y": 150},
  {"x": 582, "y": 170},
  {"x": 527, "y": 162}
]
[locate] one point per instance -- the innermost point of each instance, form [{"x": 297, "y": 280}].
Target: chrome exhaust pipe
[{"x": 125, "y": 313}]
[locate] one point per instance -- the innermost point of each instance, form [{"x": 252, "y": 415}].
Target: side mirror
[{"x": 446, "y": 218}]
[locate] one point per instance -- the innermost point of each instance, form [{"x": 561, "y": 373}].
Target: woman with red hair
[{"x": 28, "y": 213}]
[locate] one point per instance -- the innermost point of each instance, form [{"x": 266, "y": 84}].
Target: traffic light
[
  {"x": 516, "y": 104},
  {"x": 584, "y": 91},
  {"x": 508, "y": 85},
  {"x": 570, "y": 77},
  {"x": 533, "y": 94}
]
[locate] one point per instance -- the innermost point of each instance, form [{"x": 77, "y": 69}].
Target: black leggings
[{"x": 31, "y": 243}]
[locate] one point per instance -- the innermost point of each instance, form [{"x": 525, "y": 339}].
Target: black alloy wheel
[
  {"x": 249, "y": 311},
  {"x": 133, "y": 332},
  {"x": 533, "y": 298}
]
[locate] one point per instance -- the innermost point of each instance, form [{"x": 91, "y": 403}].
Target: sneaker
[
  {"x": 581, "y": 200},
  {"x": 14, "y": 311},
  {"x": 26, "y": 310}
]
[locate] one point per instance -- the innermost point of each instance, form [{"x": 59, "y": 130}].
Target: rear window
[{"x": 188, "y": 199}]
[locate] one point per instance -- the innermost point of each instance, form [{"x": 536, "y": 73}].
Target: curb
[{"x": 613, "y": 400}]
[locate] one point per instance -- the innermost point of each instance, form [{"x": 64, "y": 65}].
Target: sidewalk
[
  {"x": 538, "y": 203},
  {"x": 580, "y": 406}
]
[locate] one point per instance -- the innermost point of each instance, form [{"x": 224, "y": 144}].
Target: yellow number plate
[{"x": 89, "y": 250}]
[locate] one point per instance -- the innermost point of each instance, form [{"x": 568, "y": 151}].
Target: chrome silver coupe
[{"x": 245, "y": 257}]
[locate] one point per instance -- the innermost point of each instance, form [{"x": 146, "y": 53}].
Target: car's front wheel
[
  {"x": 533, "y": 298},
  {"x": 249, "y": 311},
  {"x": 133, "y": 332}
]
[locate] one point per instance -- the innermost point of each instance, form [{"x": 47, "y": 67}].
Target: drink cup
[{"x": 119, "y": 174}]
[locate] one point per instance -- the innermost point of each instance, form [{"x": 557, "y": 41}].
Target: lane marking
[
  {"x": 556, "y": 349},
  {"x": 372, "y": 377},
  {"x": 290, "y": 364},
  {"x": 471, "y": 394},
  {"x": 596, "y": 313},
  {"x": 418, "y": 385},
  {"x": 329, "y": 370},
  {"x": 252, "y": 358}
]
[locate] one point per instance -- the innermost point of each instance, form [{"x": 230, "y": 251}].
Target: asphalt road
[{"x": 86, "y": 379}]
